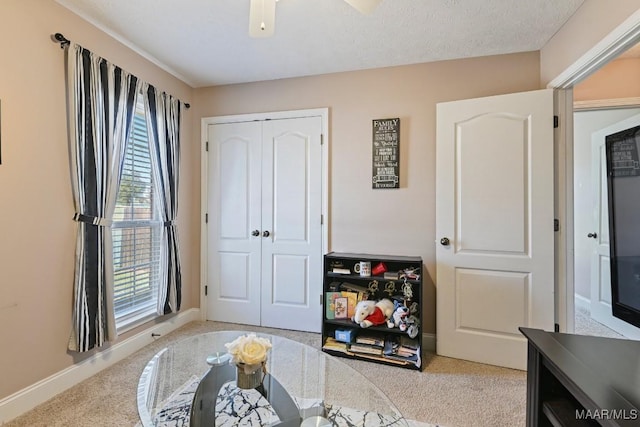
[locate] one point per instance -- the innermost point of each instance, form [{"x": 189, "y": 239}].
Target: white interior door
[
  {"x": 265, "y": 232},
  {"x": 600, "y": 267},
  {"x": 292, "y": 215},
  {"x": 235, "y": 222},
  {"x": 494, "y": 225}
]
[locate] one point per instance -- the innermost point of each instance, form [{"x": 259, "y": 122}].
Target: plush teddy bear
[{"x": 371, "y": 313}]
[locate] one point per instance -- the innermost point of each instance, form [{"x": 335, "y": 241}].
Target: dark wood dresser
[{"x": 575, "y": 380}]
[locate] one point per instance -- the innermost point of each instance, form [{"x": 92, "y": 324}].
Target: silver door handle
[
  {"x": 444, "y": 241},
  {"x": 255, "y": 233},
  {"x": 265, "y": 233}
]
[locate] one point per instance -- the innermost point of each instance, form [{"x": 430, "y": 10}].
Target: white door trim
[
  {"x": 616, "y": 42},
  {"x": 563, "y": 210},
  {"x": 204, "y": 173},
  {"x": 606, "y": 104}
]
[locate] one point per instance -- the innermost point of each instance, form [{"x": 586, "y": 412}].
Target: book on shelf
[
  {"x": 334, "y": 287},
  {"x": 407, "y": 342},
  {"x": 334, "y": 345},
  {"x": 330, "y": 304},
  {"x": 353, "y": 287},
  {"x": 382, "y": 359},
  {"x": 352, "y": 300},
  {"x": 394, "y": 345},
  {"x": 391, "y": 275},
  {"x": 341, "y": 305},
  {"x": 394, "y": 349},
  {"x": 391, "y": 344},
  {"x": 339, "y": 270},
  {"x": 361, "y": 291},
  {"x": 414, "y": 359},
  {"x": 366, "y": 348},
  {"x": 370, "y": 340},
  {"x": 404, "y": 353}
]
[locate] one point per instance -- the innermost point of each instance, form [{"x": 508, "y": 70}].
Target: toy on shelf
[
  {"x": 371, "y": 313},
  {"x": 384, "y": 306},
  {"x": 405, "y": 318}
]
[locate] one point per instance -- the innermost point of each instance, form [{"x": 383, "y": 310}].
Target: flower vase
[{"x": 249, "y": 376}]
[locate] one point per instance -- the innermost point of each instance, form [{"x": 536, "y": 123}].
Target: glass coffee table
[{"x": 191, "y": 383}]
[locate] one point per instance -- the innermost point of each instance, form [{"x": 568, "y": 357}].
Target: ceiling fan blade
[
  {"x": 364, "y": 6},
  {"x": 262, "y": 18}
]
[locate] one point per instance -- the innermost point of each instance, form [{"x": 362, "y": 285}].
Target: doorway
[
  {"x": 592, "y": 298},
  {"x": 604, "y": 102},
  {"x": 622, "y": 39}
]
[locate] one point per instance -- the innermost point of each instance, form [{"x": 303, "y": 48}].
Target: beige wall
[
  {"x": 396, "y": 222},
  {"x": 37, "y": 234},
  {"x": 617, "y": 79},
  {"x": 591, "y": 23}
]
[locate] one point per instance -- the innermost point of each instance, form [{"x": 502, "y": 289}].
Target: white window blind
[{"x": 136, "y": 232}]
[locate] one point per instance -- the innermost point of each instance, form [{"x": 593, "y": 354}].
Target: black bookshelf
[{"x": 402, "y": 284}]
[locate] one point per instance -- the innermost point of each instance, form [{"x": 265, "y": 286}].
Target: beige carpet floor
[
  {"x": 585, "y": 325},
  {"x": 447, "y": 392}
]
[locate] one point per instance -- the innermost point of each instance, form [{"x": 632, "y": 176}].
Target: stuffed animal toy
[
  {"x": 371, "y": 313},
  {"x": 413, "y": 326},
  {"x": 398, "y": 318}
]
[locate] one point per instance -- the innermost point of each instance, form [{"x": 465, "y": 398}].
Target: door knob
[
  {"x": 255, "y": 233},
  {"x": 444, "y": 241},
  {"x": 592, "y": 235},
  {"x": 265, "y": 233}
]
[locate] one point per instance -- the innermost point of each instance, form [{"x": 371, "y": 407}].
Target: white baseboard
[
  {"x": 28, "y": 398},
  {"x": 583, "y": 302}
]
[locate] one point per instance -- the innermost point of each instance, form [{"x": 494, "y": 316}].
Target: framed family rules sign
[{"x": 386, "y": 153}]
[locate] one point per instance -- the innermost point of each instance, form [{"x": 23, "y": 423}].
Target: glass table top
[{"x": 320, "y": 385}]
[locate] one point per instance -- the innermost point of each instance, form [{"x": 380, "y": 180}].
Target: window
[{"x": 136, "y": 232}]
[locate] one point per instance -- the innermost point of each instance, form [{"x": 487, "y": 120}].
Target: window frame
[{"x": 144, "y": 311}]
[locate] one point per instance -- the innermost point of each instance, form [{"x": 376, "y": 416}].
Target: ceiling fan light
[
  {"x": 262, "y": 18},
  {"x": 364, "y": 6}
]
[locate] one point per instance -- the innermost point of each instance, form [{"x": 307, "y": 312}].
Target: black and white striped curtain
[
  {"x": 163, "y": 122},
  {"x": 101, "y": 104}
]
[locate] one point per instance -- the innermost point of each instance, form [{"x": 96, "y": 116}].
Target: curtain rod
[{"x": 59, "y": 38}]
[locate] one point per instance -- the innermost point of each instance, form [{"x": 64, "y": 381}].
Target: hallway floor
[{"x": 585, "y": 325}]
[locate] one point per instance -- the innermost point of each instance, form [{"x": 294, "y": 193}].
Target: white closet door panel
[
  {"x": 234, "y": 270},
  {"x": 235, "y": 191},
  {"x": 291, "y": 275},
  {"x": 234, "y": 157},
  {"x": 291, "y": 201},
  {"x": 291, "y": 187}
]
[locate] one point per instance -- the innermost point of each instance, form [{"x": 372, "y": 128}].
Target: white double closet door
[{"x": 265, "y": 222}]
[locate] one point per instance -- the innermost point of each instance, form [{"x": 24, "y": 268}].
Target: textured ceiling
[{"x": 206, "y": 42}]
